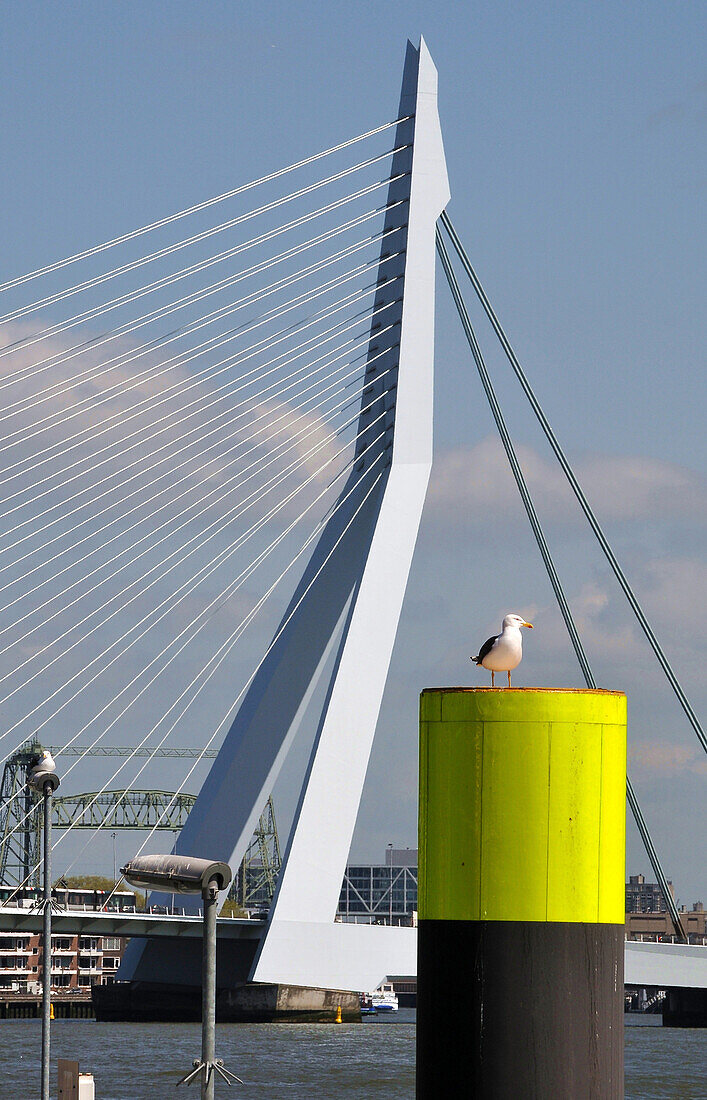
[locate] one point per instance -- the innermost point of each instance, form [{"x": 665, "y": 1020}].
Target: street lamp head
[
  {"x": 176, "y": 874},
  {"x": 43, "y": 772}
]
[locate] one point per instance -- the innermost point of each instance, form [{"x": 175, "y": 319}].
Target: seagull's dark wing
[{"x": 486, "y": 648}]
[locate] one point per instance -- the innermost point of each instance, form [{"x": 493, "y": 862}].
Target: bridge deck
[
  {"x": 672, "y": 965},
  {"x": 665, "y": 965},
  {"x": 89, "y": 922}
]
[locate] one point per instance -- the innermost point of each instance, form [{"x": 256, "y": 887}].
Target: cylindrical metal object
[
  {"x": 521, "y": 893},
  {"x": 47, "y": 933},
  {"x": 208, "y": 990}
]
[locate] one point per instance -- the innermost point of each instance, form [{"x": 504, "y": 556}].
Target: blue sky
[{"x": 574, "y": 136}]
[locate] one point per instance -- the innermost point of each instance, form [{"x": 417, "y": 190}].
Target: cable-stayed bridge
[{"x": 229, "y": 434}]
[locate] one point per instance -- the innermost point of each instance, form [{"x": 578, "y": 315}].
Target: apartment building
[
  {"x": 78, "y": 962},
  {"x": 646, "y": 897}
]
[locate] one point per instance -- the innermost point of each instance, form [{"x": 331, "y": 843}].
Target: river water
[{"x": 374, "y": 1060}]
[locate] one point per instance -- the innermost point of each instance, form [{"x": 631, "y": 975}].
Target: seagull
[
  {"x": 43, "y": 769},
  {"x": 504, "y": 651},
  {"x": 45, "y": 761}
]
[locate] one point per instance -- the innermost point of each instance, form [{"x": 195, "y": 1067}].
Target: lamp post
[
  {"x": 43, "y": 779},
  {"x": 187, "y": 875}
]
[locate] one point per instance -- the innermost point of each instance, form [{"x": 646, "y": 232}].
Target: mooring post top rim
[{"x": 522, "y": 690}]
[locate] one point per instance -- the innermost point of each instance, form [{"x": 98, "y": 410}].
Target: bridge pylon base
[
  {"x": 248, "y": 1002},
  {"x": 685, "y": 1008}
]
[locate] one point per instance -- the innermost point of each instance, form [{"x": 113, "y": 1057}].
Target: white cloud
[
  {"x": 471, "y": 485},
  {"x": 314, "y": 447},
  {"x": 677, "y": 590},
  {"x": 666, "y": 760}
]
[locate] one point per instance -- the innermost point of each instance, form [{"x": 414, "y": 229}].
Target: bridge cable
[
  {"x": 515, "y": 465},
  {"x": 192, "y": 486},
  {"x": 98, "y": 280},
  {"x": 219, "y": 492},
  {"x": 550, "y": 566},
  {"x": 157, "y": 370},
  {"x": 578, "y": 492},
  {"x": 192, "y": 209},
  {"x": 203, "y": 573},
  {"x": 127, "y": 327},
  {"x": 196, "y": 429},
  {"x": 274, "y": 389},
  {"x": 205, "y": 400},
  {"x": 380, "y": 310},
  {"x": 193, "y": 381},
  {"x": 232, "y": 638},
  {"x": 231, "y": 709},
  {"x": 217, "y": 659},
  {"x": 330, "y": 334},
  {"x": 216, "y": 603}
]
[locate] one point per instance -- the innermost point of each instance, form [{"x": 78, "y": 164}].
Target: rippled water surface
[{"x": 374, "y": 1059}]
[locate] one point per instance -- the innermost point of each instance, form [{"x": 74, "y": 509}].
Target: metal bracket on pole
[
  {"x": 209, "y": 1068},
  {"x": 57, "y": 906}
]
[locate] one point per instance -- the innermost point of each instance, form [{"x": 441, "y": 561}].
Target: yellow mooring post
[{"x": 521, "y": 894}]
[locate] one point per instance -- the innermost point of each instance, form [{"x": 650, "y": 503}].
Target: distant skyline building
[
  {"x": 370, "y": 893},
  {"x": 381, "y": 894},
  {"x": 658, "y": 927},
  {"x": 400, "y": 857},
  {"x": 645, "y": 897}
]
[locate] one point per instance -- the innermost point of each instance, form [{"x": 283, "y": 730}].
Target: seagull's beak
[{"x": 527, "y": 624}]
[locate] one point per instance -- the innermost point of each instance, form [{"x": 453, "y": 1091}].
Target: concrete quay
[
  {"x": 28, "y": 1006},
  {"x": 246, "y": 1002}
]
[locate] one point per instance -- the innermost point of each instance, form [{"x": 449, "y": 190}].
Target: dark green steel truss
[{"x": 122, "y": 810}]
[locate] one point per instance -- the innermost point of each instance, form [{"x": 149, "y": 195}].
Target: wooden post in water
[{"x": 521, "y": 894}]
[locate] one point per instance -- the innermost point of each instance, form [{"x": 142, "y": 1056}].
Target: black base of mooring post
[{"x": 519, "y": 1009}]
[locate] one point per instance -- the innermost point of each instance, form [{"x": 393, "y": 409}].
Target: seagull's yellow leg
[{"x": 509, "y": 677}]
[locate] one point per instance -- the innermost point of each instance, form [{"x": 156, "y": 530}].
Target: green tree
[{"x": 99, "y": 882}]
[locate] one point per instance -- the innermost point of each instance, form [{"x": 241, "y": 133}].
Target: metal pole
[
  {"x": 208, "y": 990},
  {"x": 47, "y": 956},
  {"x": 27, "y": 860}
]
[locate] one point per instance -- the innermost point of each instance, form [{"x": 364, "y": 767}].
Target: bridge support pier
[
  {"x": 243, "y": 1002},
  {"x": 685, "y": 1008},
  {"x": 521, "y": 893}
]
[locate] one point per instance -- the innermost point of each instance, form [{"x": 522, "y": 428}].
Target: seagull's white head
[{"x": 515, "y": 621}]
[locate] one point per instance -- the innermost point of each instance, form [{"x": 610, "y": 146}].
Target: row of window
[
  {"x": 63, "y": 943},
  {"x": 62, "y": 981}
]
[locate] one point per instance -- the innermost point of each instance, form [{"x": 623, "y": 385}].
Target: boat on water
[
  {"x": 367, "y": 1006},
  {"x": 383, "y": 999}
]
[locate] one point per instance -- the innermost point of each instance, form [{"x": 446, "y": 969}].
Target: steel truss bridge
[
  {"x": 123, "y": 809},
  {"x": 273, "y": 416},
  {"x": 127, "y": 809}
]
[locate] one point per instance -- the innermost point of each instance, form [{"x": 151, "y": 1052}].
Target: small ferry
[{"x": 383, "y": 999}]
